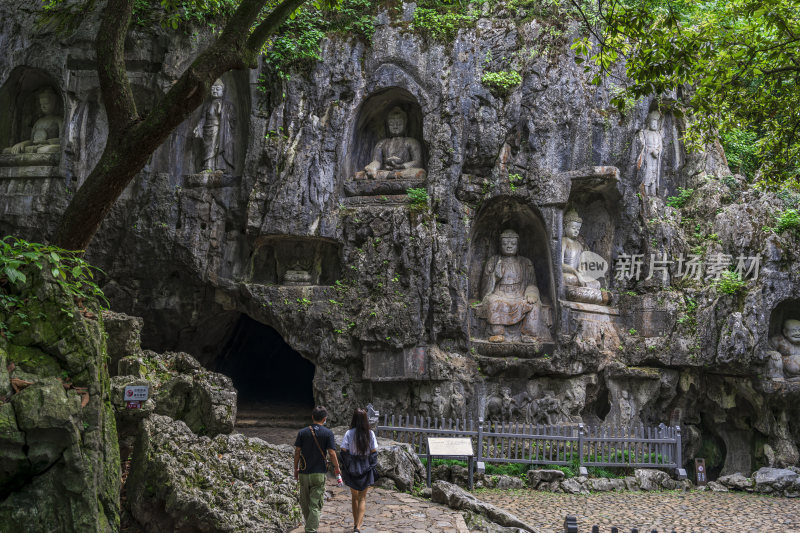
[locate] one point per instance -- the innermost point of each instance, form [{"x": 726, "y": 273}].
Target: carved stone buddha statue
[
  {"x": 396, "y": 156},
  {"x": 216, "y": 128},
  {"x": 46, "y": 131},
  {"x": 788, "y": 345},
  {"x": 510, "y": 295},
  {"x": 579, "y": 286}
]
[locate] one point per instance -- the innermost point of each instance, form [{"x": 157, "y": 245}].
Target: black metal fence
[
  {"x": 571, "y": 526},
  {"x": 571, "y": 444}
]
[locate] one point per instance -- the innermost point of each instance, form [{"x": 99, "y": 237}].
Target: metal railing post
[
  {"x": 581, "y": 469},
  {"x": 480, "y": 465},
  {"x": 678, "y": 454}
]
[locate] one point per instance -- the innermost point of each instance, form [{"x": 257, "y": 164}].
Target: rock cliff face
[
  {"x": 60, "y": 469},
  {"x": 387, "y": 297}
]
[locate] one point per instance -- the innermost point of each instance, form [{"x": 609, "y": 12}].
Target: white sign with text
[{"x": 461, "y": 446}]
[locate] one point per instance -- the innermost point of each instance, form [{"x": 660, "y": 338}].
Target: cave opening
[{"x": 274, "y": 382}]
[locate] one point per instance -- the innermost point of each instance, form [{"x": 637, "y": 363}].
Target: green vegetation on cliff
[{"x": 732, "y": 66}]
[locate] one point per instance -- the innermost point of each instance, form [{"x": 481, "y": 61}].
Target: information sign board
[
  {"x": 700, "y": 472},
  {"x": 457, "y": 447}
]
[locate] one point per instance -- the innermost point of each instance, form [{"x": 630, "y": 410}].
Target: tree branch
[
  {"x": 271, "y": 23},
  {"x": 114, "y": 84}
]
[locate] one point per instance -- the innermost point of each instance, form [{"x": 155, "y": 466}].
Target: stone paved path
[
  {"x": 387, "y": 511},
  {"x": 691, "y": 512}
]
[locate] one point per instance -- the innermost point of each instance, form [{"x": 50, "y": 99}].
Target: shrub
[
  {"x": 730, "y": 282},
  {"x": 502, "y": 83},
  {"x": 418, "y": 198},
  {"x": 679, "y": 201},
  {"x": 789, "y": 219}
]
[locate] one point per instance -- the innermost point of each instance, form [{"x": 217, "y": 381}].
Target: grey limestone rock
[
  {"x": 459, "y": 499},
  {"x": 737, "y": 481},
  {"x": 124, "y": 337},
  {"x": 535, "y": 477},
  {"x": 182, "y": 482},
  {"x": 649, "y": 479},
  {"x": 769, "y": 480},
  {"x": 179, "y": 388},
  {"x": 399, "y": 463}
]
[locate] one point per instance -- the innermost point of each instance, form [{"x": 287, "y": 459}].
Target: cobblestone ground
[
  {"x": 690, "y": 512},
  {"x": 387, "y": 512}
]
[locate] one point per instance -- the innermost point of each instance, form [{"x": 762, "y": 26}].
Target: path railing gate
[{"x": 569, "y": 444}]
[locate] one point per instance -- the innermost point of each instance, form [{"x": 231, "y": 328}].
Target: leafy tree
[
  {"x": 735, "y": 66},
  {"x": 132, "y": 136}
]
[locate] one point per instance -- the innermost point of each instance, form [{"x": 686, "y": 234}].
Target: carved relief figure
[
  {"x": 397, "y": 156},
  {"x": 46, "y": 131},
  {"x": 649, "y": 161},
  {"x": 788, "y": 345},
  {"x": 216, "y": 128},
  {"x": 438, "y": 403},
  {"x": 500, "y": 406},
  {"x": 458, "y": 404},
  {"x": 509, "y": 292}
]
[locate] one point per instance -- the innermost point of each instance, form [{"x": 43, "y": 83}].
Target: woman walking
[{"x": 359, "y": 457}]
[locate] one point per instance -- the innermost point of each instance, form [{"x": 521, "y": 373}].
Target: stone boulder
[
  {"x": 399, "y": 463},
  {"x": 649, "y": 479},
  {"x": 59, "y": 466},
  {"x": 457, "y": 498},
  {"x": 180, "y": 388},
  {"x": 770, "y": 480},
  {"x": 183, "y": 482},
  {"x": 737, "y": 481},
  {"x": 535, "y": 477}
]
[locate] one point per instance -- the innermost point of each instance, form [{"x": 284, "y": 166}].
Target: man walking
[{"x": 310, "y": 467}]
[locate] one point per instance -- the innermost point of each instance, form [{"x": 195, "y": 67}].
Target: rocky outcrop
[
  {"x": 398, "y": 462},
  {"x": 185, "y": 483},
  {"x": 179, "y": 388},
  {"x": 775, "y": 481},
  {"x": 60, "y": 469},
  {"x": 381, "y": 294},
  {"x": 457, "y": 498}
]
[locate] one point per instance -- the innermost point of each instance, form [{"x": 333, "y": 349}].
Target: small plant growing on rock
[
  {"x": 502, "y": 83},
  {"x": 788, "y": 220},
  {"x": 730, "y": 282},
  {"x": 679, "y": 201},
  {"x": 418, "y": 198}
]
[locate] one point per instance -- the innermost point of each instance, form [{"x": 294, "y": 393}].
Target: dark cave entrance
[{"x": 273, "y": 380}]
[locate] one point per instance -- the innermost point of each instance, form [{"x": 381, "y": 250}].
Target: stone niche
[
  {"x": 782, "y": 356},
  {"x": 295, "y": 261},
  {"x": 208, "y": 148},
  {"x": 31, "y": 127},
  {"x": 377, "y": 160},
  {"x": 585, "y": 303},
  {"x": 511, "y": 292}
]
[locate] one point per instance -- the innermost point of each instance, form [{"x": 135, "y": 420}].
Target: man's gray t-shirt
[{"x": 315, "y": 460}]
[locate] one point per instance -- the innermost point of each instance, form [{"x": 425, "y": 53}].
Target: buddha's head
[
  {"x": 509, "y": 242},
  {"x": 396, "y": 122},
  {"x": 791, "y": 331},
  {"x": 217, "y": 89},
  {"x": 653, "y": 120},
  {"x": 572, "y": 224},
  {"x": 47, "y": 101}
]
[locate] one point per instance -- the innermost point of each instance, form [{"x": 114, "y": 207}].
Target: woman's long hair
[{"x": 361, "y": 425}]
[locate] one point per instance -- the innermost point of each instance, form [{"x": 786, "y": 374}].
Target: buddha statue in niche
[
  {"x": 46, "y": 131},
  {"x": 510, "y": 295},
  {"x": 579, "y": 286},
  {"x": 299, "y": 271},
  {"x": 397, "y": 156},
  {"x": 788, "y": 345}
]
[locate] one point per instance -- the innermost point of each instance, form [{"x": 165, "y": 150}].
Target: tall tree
[
  {"x": 132, "y": 137},
  {"x": 736, "y": 64}
]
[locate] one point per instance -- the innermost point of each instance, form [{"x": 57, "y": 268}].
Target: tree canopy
[{"x": 734, "y": 66}]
